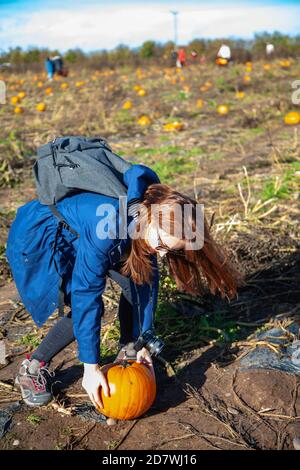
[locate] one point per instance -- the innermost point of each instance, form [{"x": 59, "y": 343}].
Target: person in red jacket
[{"x": 181, "y": 61}]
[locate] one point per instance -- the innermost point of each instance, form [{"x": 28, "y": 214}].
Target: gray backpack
[{"x": 71, "y": 164}]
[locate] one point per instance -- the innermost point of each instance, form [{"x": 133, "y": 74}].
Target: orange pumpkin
[
  {"x": 292, "y": 118},
  {"x": 221, "y": 61},
  {"x": 200, "y": 103},
  {"x": 14, "y": 100},
  {"x": 285, "y": 64},
  {"x": 223, "y": 109},
  {"x": 173, "y": 126},
  {"x": 41, "y": 107},
  {"x": 132, "y": 390},
  {"x": 19, "y": 110},
  {"x": 127, "y": 105},
  {"x": 144, "y": 121}
]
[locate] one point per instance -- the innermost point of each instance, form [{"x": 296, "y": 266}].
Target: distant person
[
  {"x": 174, "y": 57},
  {"x": 49, "y": 65},
  {"x": 194, "y": 55},
  {"x": 181, "y": 60},
  {"x": 224, "y": 52},
  {"x": 58, "y": 64},
  {"x": 270, "y": 49},
  {"x": 223, "y": 56}
]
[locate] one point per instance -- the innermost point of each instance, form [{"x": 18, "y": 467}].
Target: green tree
[{"x": 147, "y": 50}]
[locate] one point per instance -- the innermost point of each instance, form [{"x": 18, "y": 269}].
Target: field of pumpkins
[
  {"x": 226, "y": 134},
  {"x": 113, "y": 101}
]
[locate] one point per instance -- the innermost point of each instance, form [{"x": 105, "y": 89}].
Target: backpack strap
[
  {"x": 62, "y": 221},
  {"x": 62, "y": 224}
]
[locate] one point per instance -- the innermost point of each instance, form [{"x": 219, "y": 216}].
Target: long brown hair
[{"x": 189, "y": 267}]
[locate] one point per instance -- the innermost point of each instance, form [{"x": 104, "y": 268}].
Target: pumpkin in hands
[{"x": 132, "y": 390}]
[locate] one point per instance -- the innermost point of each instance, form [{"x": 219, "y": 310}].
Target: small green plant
[
  {"x": 12, "y": 153},
  {"x": 168, "y": 168},
  {"x": 111, "y": 445},
  {"x": 281, "y": 186},
  {"x": 183, "y": 95},
  {"x": 34, "y": 419},
  {"x": 182, "y": 331},
  {"x": 124, "y": 117},
  {"x": 59, "y": 446},
  {"x": 30, "y": 339},
  {"x": 216, "y": 156},
  {"x": 110, "y": 341}
]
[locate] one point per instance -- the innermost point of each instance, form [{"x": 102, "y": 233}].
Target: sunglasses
[{"x": 175, "y": 251}]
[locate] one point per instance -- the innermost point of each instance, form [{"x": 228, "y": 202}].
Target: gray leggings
[{"x": 61, "y": 334}]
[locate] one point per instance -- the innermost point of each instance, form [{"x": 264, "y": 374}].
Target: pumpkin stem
[{"x": 124, "y": 363}]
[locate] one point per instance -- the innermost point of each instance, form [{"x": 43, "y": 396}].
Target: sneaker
[
  {"x": 126, "y": 352},
  {"x": 33, "y": 380}
]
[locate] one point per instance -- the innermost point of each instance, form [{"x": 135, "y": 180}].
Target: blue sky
[{"x": 102, "y": 24}]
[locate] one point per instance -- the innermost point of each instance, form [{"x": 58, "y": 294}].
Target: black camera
[{"x": 149, "y": 341}]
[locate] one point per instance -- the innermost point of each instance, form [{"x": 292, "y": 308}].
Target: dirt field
[{"x": 244, "y": 166}]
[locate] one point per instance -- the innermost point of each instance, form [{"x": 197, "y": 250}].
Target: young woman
[{"x": 40, "y": 256}]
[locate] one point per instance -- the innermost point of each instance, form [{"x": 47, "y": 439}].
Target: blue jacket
[
  {"x": 82, "y": 262},
  {"x": 49, "y": 65}
]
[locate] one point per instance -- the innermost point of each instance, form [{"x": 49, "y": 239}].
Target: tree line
[{"x": 153, "y": 52}]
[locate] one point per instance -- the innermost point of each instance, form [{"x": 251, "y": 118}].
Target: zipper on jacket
[
  {"x": 139, "y": 309},
  {"x": 151, "y": 303}
]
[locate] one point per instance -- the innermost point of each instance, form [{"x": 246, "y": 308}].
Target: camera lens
[
  {"x": 155, "y": 347},
  {"x": 152, "y": 343}
]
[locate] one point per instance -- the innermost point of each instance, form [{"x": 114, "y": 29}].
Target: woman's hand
[
  {"x": 93, "y": 378},
  {"x": 143, "y": 357}
]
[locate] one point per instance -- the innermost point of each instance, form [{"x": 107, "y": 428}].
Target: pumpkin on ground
[
  {"x": 240, "y": 95},
  {"x": 14, "y": 99},
  {"x": 200, "y": 103},
  {"x": 144, "y": 121},
  {"x": 127, "y": 105},
  {"x": 285, "y": 64},
  {"x": 223, "y": 109},
  {"x": 292, "y": 118},
  {"x": 41, "y": 107},
  {"x": 132, "y": 390},
  {"x": 221, "y": 61},
  {"x": 173, "y": 126},
  {"x": 18, "y": 110}
]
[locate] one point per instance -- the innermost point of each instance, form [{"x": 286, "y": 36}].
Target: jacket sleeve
[
  {"x": 88, "y": 284},
  {"x": 137, "y": 179}
]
